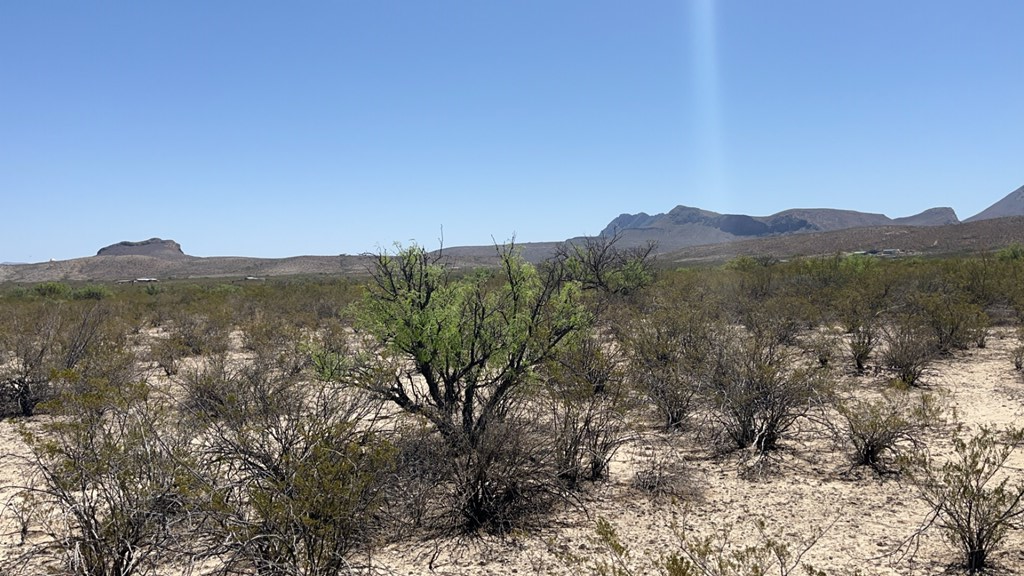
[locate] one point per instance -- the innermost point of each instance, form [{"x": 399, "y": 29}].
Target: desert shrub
[
  {"x": 460, "y": 353},
  {"x": 293, "y": 476},
  {"x": 199, "y": 334},
  {"x": 973, "y": 499},
  {"x": 955, "y": 324},
  {"x": 1014, "y": 252},
  {"x": 771, "y": 323},
  {"x": 209, "y": 388},
  {"x": 111, "y": 485},
  {"x": 668, "y": 354},
  {"x": 754, "y": 277},
  {"x": 91, "y": 293},
  {"x": 758, "y": 391},
  {"x": 328, "y": 352},
  {"x": 1018, "y": 350},
  {"x": 879, "y": 432},
  {"x": 190, "y": 334},
  {"x": 713, "y": 555},
  {"x": 910, "y": 349},
  {"x": 53, "y": 290},
  {"x": 597, "y": 263},
  {"x": 588, "y": 405},
  {"x": 861, "y": 344},
  {"x": 824, "y": 347},
  {"x": 275, "y": 339},
  {"x": 45, "y": 339}
]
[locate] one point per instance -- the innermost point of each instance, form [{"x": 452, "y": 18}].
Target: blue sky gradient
[{"x": 277, "y": 129}]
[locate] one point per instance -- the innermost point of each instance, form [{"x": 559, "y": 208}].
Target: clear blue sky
[{"x": 274, "y": 129}]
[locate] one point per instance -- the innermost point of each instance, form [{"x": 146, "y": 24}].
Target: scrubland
[{"x": 593, "y": 414}]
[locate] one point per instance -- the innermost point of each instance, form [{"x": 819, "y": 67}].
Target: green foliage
[
  {"x": 973, "y": 497},
  {"x": 476, "y": 342},
  {"x": 598, "y": 264},
  {"x": 1012, "y": 253},
  {"x": 91, "y": 293},
  {"x": 52, "y": 290}
]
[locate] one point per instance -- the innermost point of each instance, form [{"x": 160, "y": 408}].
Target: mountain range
[{"x": 683, "y": 234}]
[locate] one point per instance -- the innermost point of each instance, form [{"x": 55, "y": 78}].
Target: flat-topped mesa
[{"x": 154, "y": 247}]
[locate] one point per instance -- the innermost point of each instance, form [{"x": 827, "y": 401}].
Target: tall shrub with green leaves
[{"x": 461, "y": 352}]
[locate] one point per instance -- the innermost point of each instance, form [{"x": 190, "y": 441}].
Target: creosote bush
[
  {"x": 863, "y": 339},
  {"x": 910, "y": 349},
  {"x": 589, "y": 405},
  {"x": 670, "y": 355},
  {"x": 293, "y": 476},
  {"x": 116, "y": 470},
  {"x": 879, "y": 432},
  {"x": 973, "y": 497},
  {"x": 758, "y": 391},
  {"x": 704, "y": 556},
  {"x": 46, "y": 339}
]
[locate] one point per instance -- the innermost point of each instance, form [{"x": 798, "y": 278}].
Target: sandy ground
[{"x": 864, "y": 516}]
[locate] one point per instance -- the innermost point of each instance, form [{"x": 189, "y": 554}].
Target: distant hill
[
  {"x": 684, "y": 226},
  {"x": 1011, "y": 205},
  {"x": 154, "y": 247},
  {"x": 949, "y": 240}
]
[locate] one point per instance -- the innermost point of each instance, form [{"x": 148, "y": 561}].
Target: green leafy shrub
[
  {"x": 53, "y": 290},
  {"x": 91, "y": 293},
  {"x": 476, "y": 344}
]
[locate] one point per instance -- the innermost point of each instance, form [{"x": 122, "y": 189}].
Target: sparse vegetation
[{"x": 290, "y": 427}]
